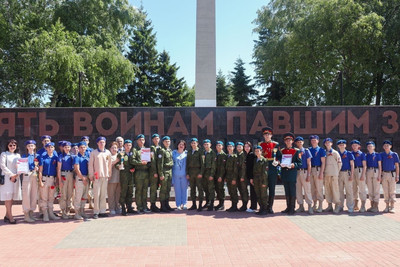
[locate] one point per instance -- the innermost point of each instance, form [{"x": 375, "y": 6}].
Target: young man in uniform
[
  {"x": 194, "y": 164},
  {"x": 86, "y": 139},
  {"x": 65, "y": 168},
  {"x": 270, "y": 153},
  {"x": 164, "y": 168},
  {"x": 289, "y": 171},
  {"x": 346, "y": 176},
  {"x": 220, "y": 175},
  {"x": 154, "y": 180},
  {"x": 260, "y": 180},
  {"x": 317, "y": 172},
  {"x": 360, "y": 169},
  {"x": 374, "y": 175},
  {"x": 99, "y": 172},
  {"x": 303, "y": 177},
  {"x": 390, "y": 175},
  {"x": 209, "y": 158},
  {"x": 333, "y": 164},
  {"x": 126, "y": 177},
  {"x": 45, "y": 140},
  {"x": 242, "y": 181},
  {"x": 231, "y": 176},
  {"x": 81, "y": 181}
]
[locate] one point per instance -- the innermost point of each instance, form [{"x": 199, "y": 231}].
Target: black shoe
[
  {"x": 146, "y": 210},
  {"x": 164, "y": 207},
  {"x": 233, "y": 208},
  {"x": 103, "y": 215},
  {"x": 194, "y": 206},
  {"x": 141, "y": 211},
  {"x": 261, "y": 212},
  {"x": 200, "y": 208},
  {"x": 168, "y": 206},
  {"x": 211, "y": 206},
  {"x": 6, "y": 219},
  {"x": 123, "y": 210},
  {"x": 270, "y": 205},
  {"x": 154, "y": 208},
  {"x": 131, "y": 211},
  {"x": 95, "y": 216},
  {"x": 287, "y": 206},
  {"x": 243, "y": 207},
  {"x": 220, "y": 205}
]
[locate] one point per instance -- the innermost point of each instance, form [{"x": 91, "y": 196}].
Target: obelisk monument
[{"x": 205, "y": 91}]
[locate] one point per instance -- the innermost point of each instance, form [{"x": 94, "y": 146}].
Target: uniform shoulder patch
[{"x": 159, "y": 156}]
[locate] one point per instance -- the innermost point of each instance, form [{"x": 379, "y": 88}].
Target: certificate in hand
[
  {"x": 22, "y": 166},
  {"x": 286, "y": 160},
  {"x": 145, "y": 154}
]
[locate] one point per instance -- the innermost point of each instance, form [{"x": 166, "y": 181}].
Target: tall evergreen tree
[
  {"x": 171, "y": 89},
  {"x": 243, "y": 92},
  {"x": 143, "y": 54},
  {"x": 224, "y": 92}
]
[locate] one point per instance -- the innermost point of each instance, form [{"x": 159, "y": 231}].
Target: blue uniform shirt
[
  {"x": 317, "y": 153},
  {"x": 83, "y": 162},
  {"x": 67, "y": 162},
  {"x": 43, "y": 151},
  {"x": 346, "y": 158},
  {"x": 88, "y": 151},
  {"x": 372, "y": 160},
  {"x": 49, "y": 164},
  {"x": 359, "y": 157},
  {"x": 389, "y": 160},
  {"x": 31, "y": 160},
  {"x": 305, "y": 154}
]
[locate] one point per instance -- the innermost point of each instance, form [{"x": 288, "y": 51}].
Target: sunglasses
[{"x": 11, "y": 145}]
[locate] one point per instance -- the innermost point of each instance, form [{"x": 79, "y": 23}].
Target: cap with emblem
[
  {"x": 288, "y": 136},
  {"x": 355, "y": 142},
  {"x": 220, "y": 143},
  {"x": 266, "y": 130},
  {"x": 155, "y": 135},
  {"x": 30, "y": 142},
  {"x": 388, "y": 142},
  {"x": 128, "y": 141},
  {"x": 81, "y": 143},
  {"x": 66, "y": 143},
  {"x": 239, "y": 144},
  {"x": 166, "y": 138},
  {"x": 230, "y": 144},
  {"x": 100, "y": 138},
  {"x": 49, "y": 144},
  {"x": 328, "y": 140},
  {"x": 206, "y": 141},
  {"x": 85, "y": 137},
  {"x": 341, "y": 141},
  {"x": 370, "y": 143},
  {"x": 45, "y": 137},
  {"x": 139, "y": 136},
  {"x": 299, "y": 138},
  {"x": 194, "y": 139},
  {"x": 314, "y": 136},
  {"x": 257, "y": 147}
]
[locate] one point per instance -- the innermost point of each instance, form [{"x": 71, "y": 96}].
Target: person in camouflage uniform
[
  {"x": 126, "y": 178},
  {"x": 220, "y": 175},
  {"x": 154, "y": 180},
  {"x": 164, "y": 168},
  {"x": 208, "y": 173},
  {"x": 242, "y": 181},
  {"x": 260, "y": 180},
  {"x": 142, "y": 171},
  {"x": 194, "y": 164},
  {"x": 231, "y": 176}
]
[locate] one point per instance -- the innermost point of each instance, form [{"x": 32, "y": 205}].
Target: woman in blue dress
[{"x": 179, "y": 179}]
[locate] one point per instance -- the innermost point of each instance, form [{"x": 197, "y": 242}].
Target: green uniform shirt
[
  {"x": 164, "y": 161},
  {"x": 231, "y": 167},
  {"x": 127, "y": 162},
  {"x": 260, "y": 168},
  {"x": 220, "y": 165},
  {"x": 209, "y": 159},
  {"x": 153, "y": 164},
  {"x": 137, "y": 160},
  {"x": 241, "y": 165}
]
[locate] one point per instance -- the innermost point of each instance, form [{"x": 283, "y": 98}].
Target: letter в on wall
[
  {"x": 281, "y": 122},
  {"x": 82, "y": 120}
]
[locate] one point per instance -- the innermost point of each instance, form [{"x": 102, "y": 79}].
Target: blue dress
[{"x": 179, "y": 177}]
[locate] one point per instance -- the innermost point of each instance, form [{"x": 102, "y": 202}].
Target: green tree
[
  {"x": 143, "y": 90},
  {"x": 303, "y": 45},
  {"x": 243, "y": 91},
  {"x": 224, "y": 92},
  {"x": 171, "y": 90}
]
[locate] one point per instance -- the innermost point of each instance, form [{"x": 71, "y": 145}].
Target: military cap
[
  {"x": 155, "y": 135},
  {"x": 206, "y": 141},
  {"x": 314, "y": 136},
  {"x": 29, "y": 142},
  {"x": 370, "y": 143},
  {"x": 61, "y": 143},
  {"x": 66, "y": 143},
  {"x": 230, "y": 144},
  {"x": 299, "y": 138},
  {"x": 355, "y": 142},
  {"x": 387, "y": 142},
  {"x": 139, "y": 136},
  {"x": 85, "y": 137},
  {"x": 194, "y": 139},
  {"x": 288, "y": 136},
  {"x": 239, "y": 144},
  {"x": 166, "y": 138},
  {"x": 267, "y": 130},
  {"x": 128, "y": 141},
  {"x": 82, "y": 143},
  {"x": 49, "y": 144},
  {"x": 45, "y": 137},
  {"x": 328, "y": 140},
  {"x": 220, "y": 143},
  {"x": 341, "y": 141},
  {"x": 100, "y": 138},
  {"x": 76, "y": 144},
  {"x": 257, "y": 147}
]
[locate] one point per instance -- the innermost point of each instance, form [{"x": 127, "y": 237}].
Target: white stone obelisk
[{"x": 205, "y": 88}]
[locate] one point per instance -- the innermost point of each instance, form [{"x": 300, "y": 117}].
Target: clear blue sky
[{"x": 174, "y": 22}]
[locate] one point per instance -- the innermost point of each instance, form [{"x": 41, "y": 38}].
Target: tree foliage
[
  {"x": 243, "y": 91},
  {"x": 303, "y": 45},
  {"x": 224, "y": 91}
]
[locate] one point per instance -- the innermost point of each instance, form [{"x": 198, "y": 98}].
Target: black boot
[
  {"x": 154, "y": 208},
  {"x": 164, "y": 206},
  {"x": 262, "y": 211},
  {"x": 167, "y": 205},
  {"x": 287, "y": 205},
  {"x": 130, "y": 210},
  {"x": 200, "y": 208},
  {"x": 123, "y": 210},
  {"x": 220, "y": 205},
  {"x": 194, "y": 206},
  {"x": 270, "y": 205},
  {"x": 210, "y": 206},
  {"x": 292, "y": 203},
  {"x": 244, "y": 206},
  {"x": 233, "y": 208}
]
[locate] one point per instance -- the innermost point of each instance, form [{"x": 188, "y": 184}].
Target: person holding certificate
[
  {"x": 290, "y": 161},
  {"x": 30, "y": 182}
]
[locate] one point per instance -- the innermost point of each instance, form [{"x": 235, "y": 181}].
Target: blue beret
[
  {"x": 82, "y": 143},
  {"x": 370, "y": 143},
  {"x": 194, "y": 139},
  {"x": 220, "y": 143},
  {"x": 49, "y": 144},
  {"x": 155, "y": 135},
  {"x": 75, "y": 144},
  {"x": 230, "y": 144},
  {"x": 29, "y": 142},
  {"x": 166, "y": 138},
  {"x": 258, "y": 147},
  {"x": 299, "y": 138},
  {"x": 355, "y": 142},
  {"x": 100, "y": 138},
  {"x": 85, "y": 137},
  {"x": 387, "y": 142},
  {"x": 341, "y": 141},
  {"x": 45, "y": 137},
  {"x": 139, "y": 136},
  {"x": 239, "y": 144},
  {"x": 66, "y": 143},
  {"x": 128, "y": 141},
  {"x": 206, "y": 141},
  {"x": 328, "y": 140},
  {"x": 60, "y": 143},
  {"x": 314, "y": 136}
]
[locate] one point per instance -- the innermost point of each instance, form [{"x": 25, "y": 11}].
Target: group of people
[{"x": 79, "y": 173}]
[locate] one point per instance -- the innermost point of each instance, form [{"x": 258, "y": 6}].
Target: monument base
[{"x": 205, "y": 103}]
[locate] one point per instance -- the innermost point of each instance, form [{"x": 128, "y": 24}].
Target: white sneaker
[
  {"x": 179, "y": 208},
  {"x": 185, "y": 207},
  {"x": 112, "y": 212},
  {"x": 250, "y": 210}
]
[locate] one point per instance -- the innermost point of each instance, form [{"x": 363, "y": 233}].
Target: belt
[
  {"x": 315, "y": 166},
  {"x": 344, "y": 170},
  {"x": 358, "y": 167},
  {"x": 389, "y": 171},
  {"x": 372, "y": 168},
  {"x": 301, "y": 169},
  {"x": 66, "y": 170},
  {"x": 270, "y": 159},
  {"x": 80, "y": 180},
  {"x": 47, "y": 176}
]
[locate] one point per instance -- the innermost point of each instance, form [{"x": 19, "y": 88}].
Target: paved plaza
[{"x": 189, "y": 238}]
